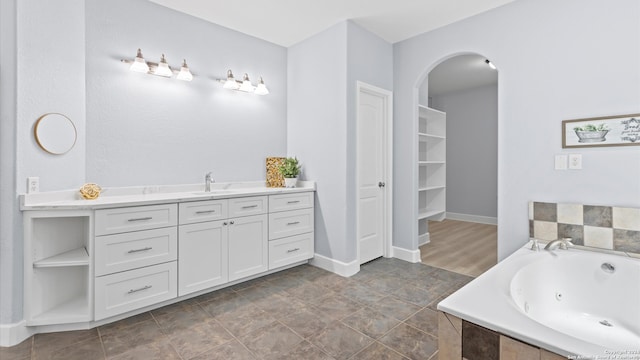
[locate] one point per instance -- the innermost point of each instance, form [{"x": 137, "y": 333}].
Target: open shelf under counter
[
  {"x": 76, "y": 310},
  {"x": 75, "y": 257}
]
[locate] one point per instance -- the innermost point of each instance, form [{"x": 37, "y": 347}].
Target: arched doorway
[{"x": 464, "y": 238}]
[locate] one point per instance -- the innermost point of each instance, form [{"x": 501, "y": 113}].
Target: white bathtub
[{"x": 562, "y": 301}]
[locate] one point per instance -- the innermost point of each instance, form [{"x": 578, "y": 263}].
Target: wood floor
[{"x": 462, "y": 247}]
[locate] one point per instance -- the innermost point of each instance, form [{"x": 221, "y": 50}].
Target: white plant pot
[{"x": 290, "y": 182}]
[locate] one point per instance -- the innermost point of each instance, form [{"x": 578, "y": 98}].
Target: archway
[{"x": 462, "y": 175}]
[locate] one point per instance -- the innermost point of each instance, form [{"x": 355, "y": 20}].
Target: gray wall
[
  {"x": 323, "y": 71},
  {"x": 472, "y": 150},
  {"x": 557, "y": 60},
  {"x": 145, "y": 130}
]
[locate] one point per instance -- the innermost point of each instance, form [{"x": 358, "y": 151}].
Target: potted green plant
[{"x": 290, "y": 169}]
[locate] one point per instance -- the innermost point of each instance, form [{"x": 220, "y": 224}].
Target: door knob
[{"x": 381, "y": 184}]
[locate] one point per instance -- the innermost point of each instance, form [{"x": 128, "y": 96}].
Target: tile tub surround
[
  {"x": 606, "y": 227},
  {"x": 386, "y": 311}
]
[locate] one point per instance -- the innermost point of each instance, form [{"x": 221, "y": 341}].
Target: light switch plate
[
  {"x": 561, "y": 162},
  {"x": 575, "y": 161}
]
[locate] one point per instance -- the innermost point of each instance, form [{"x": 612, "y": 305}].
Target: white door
[
  {"x": 372, "y": 172},
  {"x": 248, "y": 246}
]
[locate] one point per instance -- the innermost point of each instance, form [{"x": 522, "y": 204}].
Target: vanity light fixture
[
  {"x": 163, "y": 68},
  {"x": 245, "y": 85},
  {"x": 185, "y": 73},
  {"x": 139, "y": 64},
  {"x": 490, "y": 64}
]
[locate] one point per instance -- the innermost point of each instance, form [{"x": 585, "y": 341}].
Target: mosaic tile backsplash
[{"x": 606, "y": 227}]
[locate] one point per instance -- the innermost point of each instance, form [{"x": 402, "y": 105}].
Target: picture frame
[{"x": 618, "y": 130}]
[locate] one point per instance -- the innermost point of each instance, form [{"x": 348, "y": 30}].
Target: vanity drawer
[
  {"x": 295, "y": 201},
  {"x": 121, "y": 252},
  {"x": 290, "y": 250},
  {"x": 114, "y": 221},
  {"x": 201, "y": 211},
  {"x": 289, "y": 223},
  {"x": 254, "y": 205},
  {"x": 125, "y": 291}
]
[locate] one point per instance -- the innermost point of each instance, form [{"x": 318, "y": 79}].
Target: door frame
[{"x": 362, "y": 87}]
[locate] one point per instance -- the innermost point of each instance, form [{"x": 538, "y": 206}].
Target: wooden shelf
[{"x": 75, "y": 257}]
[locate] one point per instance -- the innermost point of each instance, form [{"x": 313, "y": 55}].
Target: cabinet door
[
  {"x": 248, "y": 246},
  {"x": 202, "y": 256}
]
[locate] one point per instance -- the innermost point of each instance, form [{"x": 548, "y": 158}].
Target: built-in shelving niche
[{"x": 57, "y": 267}]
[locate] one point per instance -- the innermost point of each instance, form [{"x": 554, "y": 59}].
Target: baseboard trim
[
  {"x": 424, "y": 239},
  {"x": 335, "y": 266},
  {"x": 14, "y": 334},
  {"x": 472, "y": 218},
  {"x": 412, "y": 256}
]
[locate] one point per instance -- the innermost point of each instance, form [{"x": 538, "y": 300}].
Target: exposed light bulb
[
  {"x": 490, "y": 64},
  {"x": 139, "y": 64},
  {"x": 261, "y": 89},
  {"x": 163, "y": 68},
  {"x": 231, "y": 82},
  {"x": 246, "y": 84},
  {"x": 184, "y": 73}
]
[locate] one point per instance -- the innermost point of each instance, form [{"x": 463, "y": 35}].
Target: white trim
[
  {"x": 336, "y": 266},
  {"x": 388, "y": 129},
  {"x": 424, "y": 239},
  {"x": 472, "y": 218},
  {"x": 412, "y": 256},
  {"x": 14, "y": 334}
]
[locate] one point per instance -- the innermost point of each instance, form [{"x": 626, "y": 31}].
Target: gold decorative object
[
  {"x": 274, "y": 178},
  {"x": 90, "y": 191}
]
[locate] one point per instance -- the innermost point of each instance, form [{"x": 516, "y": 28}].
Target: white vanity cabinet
[
  {"x": 231, "y": 247},
  {"x": 86, "y": 263},
  {"x": 291, "y": 228},
  {"x": 136, "y": 253}
]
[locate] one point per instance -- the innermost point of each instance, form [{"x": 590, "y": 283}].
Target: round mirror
[{"x": 55, "y": 133}]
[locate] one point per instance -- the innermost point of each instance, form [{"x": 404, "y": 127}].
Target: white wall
[
  {"x": 316, "y": 130},
  {"x": 321, "y": 118},
  {"x": 557, "y": 60},
  {"x": 472, "y": 150},
  {"x": 145, "y": 130}
]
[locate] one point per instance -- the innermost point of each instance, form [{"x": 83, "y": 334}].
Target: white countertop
[{"x": 149, "y": 195}]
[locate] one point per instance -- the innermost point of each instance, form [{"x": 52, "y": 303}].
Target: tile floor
[{"x": 386, "y": 311}]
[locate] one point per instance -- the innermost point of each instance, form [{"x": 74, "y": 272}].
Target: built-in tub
[{"x": 572, "y": 302}]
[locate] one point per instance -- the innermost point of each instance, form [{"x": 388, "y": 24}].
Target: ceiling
[
  {"x": 460, "y": 73},
  {"x": 287, "y": 22}
]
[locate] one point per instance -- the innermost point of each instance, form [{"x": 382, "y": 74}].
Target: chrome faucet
[
  {"x": 563, "y": 244},
  {"x": 207, "y": 182}
]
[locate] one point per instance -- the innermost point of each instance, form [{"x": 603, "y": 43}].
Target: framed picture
[{"x": 620, "y": 130}]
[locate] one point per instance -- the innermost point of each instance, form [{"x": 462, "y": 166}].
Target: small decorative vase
[{"x": 290, "y": 182}]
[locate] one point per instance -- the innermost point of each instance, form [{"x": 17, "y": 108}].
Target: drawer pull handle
[
  {"x": 293, "y": 223},
  {"x": 141, "y": 219},
  {"x": 293, "y": 250},
  {"x": 250, "y": 206},
  {"x": 293, "y": 202},
  {"x": 133, "y": 291},
  {"x": 139, "y": 250},
  {"x": 205, "y": 211}
]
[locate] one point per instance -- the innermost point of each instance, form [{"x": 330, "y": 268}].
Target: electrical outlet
[
  {"x": 33, "y": 184},
  {"x": 575, "y": 161}
]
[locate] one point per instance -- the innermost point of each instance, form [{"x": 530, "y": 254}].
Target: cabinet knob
[
  {"x": 231, "y": 222},
  {"x": 224, "y": 223},
  {"x": 381, "y": 184}
]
